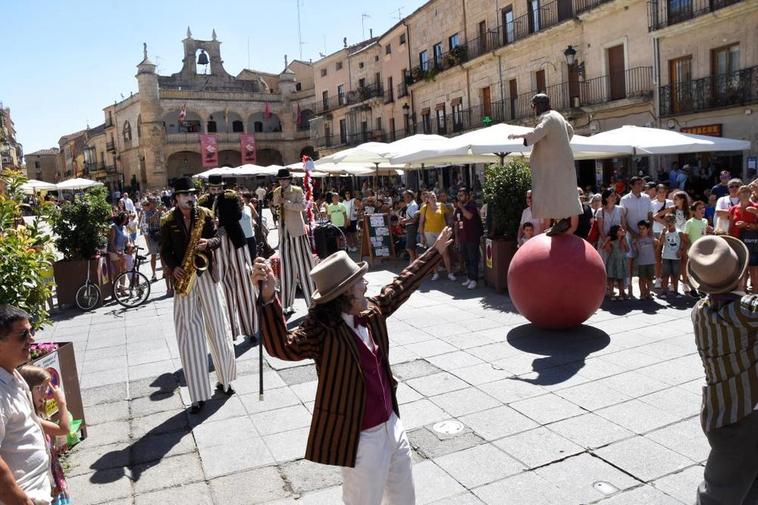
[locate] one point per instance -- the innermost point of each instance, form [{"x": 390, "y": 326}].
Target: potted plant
[
  {"x": 25, "y": 252},
  {"x": 81, "y": 229},
  {"x": 505, "y": 188}
]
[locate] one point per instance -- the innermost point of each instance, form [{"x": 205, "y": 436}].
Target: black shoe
[
  {"x": 197, "y": 407},
  {"x": 694, "y": 293},
  {"x": 558, "y": 228},
  {"x": 228, "y": 391}
]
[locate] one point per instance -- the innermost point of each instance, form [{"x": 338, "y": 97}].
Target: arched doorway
[
  {"x": 229, "y": 159},
  {"x": 229, "y": 122},
  {"x": 266, "y": 157},
  {"x": 259, "y": 123},
  {"x": 192, "y": 122},
  {"x": 183, "y": 163}
]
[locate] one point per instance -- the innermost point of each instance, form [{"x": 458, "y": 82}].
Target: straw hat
[
  {"x": 716, "y": 263},
  {"x": 334, "y": 275}
]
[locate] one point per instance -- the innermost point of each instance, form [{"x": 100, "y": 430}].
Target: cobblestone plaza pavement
[{"x": 605, "y": 413}]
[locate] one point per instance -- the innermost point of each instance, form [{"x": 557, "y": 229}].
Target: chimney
[
  {"x": 344, "y": 41},
  {"x": 371, "y": 33}
]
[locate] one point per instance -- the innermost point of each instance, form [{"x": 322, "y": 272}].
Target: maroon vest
[{"x": 378, "y": 389}]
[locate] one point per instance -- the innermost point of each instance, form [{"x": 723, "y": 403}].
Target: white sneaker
[
  {"x": 657, "y": 284},
  {"x": 471, "y": 285},
  {"x": 435, "y": 276},
  {"x": 465, "y": 283},
  {"x": 451, "y": 277}
]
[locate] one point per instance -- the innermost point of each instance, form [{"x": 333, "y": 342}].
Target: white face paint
[{"x": 185, "y": 201}]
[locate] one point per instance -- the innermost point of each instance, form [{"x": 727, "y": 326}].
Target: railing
[
  {"x": 713, "y": 92},
  {"x": 631, "y": 83},
  {"x": 444, "y": 61},
  {"x": 110, "y": 146},
  {"x": 110, "y": 169},
  {"x": 351, "y": 139},
  {"x": 663, "y": 13},
  {"x": 402, "y": 89},
  {"x": 350, "y": 98}
]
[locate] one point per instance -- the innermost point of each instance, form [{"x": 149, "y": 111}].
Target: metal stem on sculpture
[{"x": 260, "y": 249}]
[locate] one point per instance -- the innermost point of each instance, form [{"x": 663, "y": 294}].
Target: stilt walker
[
  {"x": 188, "y": 237},
  {"x": 294, "y": 246},
  {"x": 233, "y": 258}
]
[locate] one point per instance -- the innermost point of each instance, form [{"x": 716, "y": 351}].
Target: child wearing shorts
[
  {"x": 670, "y": 244},
  {"x": 645, "y": 246}
]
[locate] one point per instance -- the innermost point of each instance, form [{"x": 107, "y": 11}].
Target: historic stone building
[
  {"x": 42, "y": 165},
  {"x": 11, "y": 151},
  {"x": 153, "y": 136},
  {"x": 464, "y": 64}
]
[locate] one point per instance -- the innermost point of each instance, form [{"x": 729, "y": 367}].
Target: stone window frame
[{"x": 323, "y": 72}]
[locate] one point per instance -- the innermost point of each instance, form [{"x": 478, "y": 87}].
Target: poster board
[
  {"x": 52, "y": 364},
  {"x": 377, "y": 237}
]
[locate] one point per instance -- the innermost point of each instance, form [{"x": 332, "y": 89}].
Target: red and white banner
[
  {"x": 247, "y": 147},
  {"x": 209, "y": 151}
]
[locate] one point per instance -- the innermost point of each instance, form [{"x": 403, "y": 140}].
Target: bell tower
[
  {"x": 152, "y": 137},
  {"x": 210, "y": 52}
]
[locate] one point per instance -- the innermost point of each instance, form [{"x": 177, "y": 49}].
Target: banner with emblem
[
  {"x": 209, "y": 150},
  {"x": 247, "y": 147}
]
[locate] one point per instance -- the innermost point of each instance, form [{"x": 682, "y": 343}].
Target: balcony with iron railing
[
  {"x": 456, "y": 56},
  {"x": 110, "y": 146},
  {"x": 349, "y": 139},
  {"x": 712, "y": 92},
  {"x": 663, "y": 13},
  {"x": 402, "y": 90}
]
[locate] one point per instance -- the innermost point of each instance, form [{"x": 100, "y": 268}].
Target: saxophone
[{"x": 192, "y": 261}]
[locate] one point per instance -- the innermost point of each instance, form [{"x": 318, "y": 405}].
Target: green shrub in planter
[
  {"x": 505, "y": 188},
  {"x": 81, "y": 226},
  {"x": 25, "y": 253}
]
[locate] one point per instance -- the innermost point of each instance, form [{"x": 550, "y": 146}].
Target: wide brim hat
[
  {"x": 215, "y": 180},
  {"x": 184, "y": 185},
  {"x": 717, "y": 263},
  {"x": 334, "y": 275},
  {"x": 283, "y": 173}
]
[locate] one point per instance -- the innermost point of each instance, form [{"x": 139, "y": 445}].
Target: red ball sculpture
[{"x": 556, "y": 282}]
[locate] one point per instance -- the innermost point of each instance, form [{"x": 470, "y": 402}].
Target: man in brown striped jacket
[
  {"x": 355, "y": 421},
  {"x": 726, "y": 332}
]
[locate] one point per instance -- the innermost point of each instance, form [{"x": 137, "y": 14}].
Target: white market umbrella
[
  {"x": 380, "y": 152},
  {"x": 644, "y": 141},
  {"x": 33, "y": 185},
  {"x": 77, "y": 183},
  {"x": 296, "y": 169},
  {"x": 358, "y": 169},
  {"x": 250, "y": 170},
  {"x": 222, "y": 171}
]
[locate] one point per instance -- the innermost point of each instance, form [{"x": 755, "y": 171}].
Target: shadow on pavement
[{"x": 564, "y": 351}]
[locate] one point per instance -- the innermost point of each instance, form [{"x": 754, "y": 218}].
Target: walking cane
[{"x": 260, "y": 249}]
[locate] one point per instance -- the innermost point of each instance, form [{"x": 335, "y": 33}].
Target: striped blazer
[
  {"x": 339, "y": 407},
  {"x": 727, "y": 341}
]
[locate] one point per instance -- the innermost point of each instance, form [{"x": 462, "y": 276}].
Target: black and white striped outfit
[
  {"x": 234, "y": 271},
  {"x": 203, "y": 312},
  {"x": 297, "y": 262}
]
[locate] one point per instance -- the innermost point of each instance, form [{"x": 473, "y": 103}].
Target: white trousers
[
  {"x": 297, "y": 262},
  {"x": 201, "y": 322},
  {"x": 234, "y": 271},
  {"x": 382, "y": 473}
]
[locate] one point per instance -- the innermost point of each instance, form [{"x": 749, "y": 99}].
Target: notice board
[{"x": 377, "y": 237}]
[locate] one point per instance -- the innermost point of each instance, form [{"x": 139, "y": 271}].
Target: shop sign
[{"x": 712, "y": 130}]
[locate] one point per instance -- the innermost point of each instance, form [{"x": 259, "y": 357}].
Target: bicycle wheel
[
  {"x": 88, "y": 296},
  {"x": 133, "y": 293}
]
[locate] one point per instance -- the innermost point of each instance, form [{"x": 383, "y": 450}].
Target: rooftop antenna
[
  {"x": 363, "y": 29},
  {"x": 399, "y": 13},
  {"x": 299, "y": 31}
]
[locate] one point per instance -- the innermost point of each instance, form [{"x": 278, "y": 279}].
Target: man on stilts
[
  {"x": 233, "y": 257},
  {"x": 188, "y": 236},
  {"x": 294, "y": 246},
  {"x": 554, "y": 194}
]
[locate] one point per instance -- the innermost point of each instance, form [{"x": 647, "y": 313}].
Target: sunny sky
[{"x": 65, "y": 61}]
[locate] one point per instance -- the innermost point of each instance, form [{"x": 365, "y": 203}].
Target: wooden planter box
[
  {"x": 71, "y": 275},
  {"x": 61, "y": 364},
  {"x": 498, "y": 253}
]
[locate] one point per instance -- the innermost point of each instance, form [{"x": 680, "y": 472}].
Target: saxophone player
[
  {"x": 199, "y": 313},
  {"x": 294, "y": 246}
]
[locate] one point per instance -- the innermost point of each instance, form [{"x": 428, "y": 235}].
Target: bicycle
[
  {"x": 138, "y": 289},
  {"x": 88, "y": 296}
]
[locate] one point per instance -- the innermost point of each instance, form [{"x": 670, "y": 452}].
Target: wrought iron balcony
[
  {"x": 442, "y": 62},
  {"x": 402, "y": 89},
  {"x": 663, "y": 13},
  {"x": 712, "y": 92},
  {"x": 110, "y": 146}
]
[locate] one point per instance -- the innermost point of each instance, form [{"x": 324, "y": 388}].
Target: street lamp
[
  {"x": 406, "y": 118},
  {"x": 570, "y": 54}
]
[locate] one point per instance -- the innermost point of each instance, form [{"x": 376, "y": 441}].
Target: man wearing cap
[
  {"x": 553, "y": 171},
  {"x": 726, "y": 334},
  {"x": 199, "y": 315},
  {"x": 233, "y": 257},
  {"x": 294, "y": 246},
  {"x": 355, "y": 421}
]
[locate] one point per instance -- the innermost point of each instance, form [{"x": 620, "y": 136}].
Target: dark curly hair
[{"x": 329, "y": 313}]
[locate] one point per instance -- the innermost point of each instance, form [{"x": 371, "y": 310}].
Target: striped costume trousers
[
  {"x": 200, "y": 319},
  {"x": 234, "y": 270},
  {"x": 297, "y": 262}
]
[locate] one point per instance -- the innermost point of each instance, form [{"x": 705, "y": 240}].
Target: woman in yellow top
[{"x": 434, "y": 216}]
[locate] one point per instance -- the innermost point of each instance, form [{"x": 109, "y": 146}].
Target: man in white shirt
[
  {"x": 128, "y": 203},
  {"x": 636, "y": 206},
  {"x": 723, "y": 204},
  {"x": 24, "y": 460}
]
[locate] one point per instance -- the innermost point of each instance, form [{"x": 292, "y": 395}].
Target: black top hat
[
  {"x": 215, "y": 180},
  {"x": 283, "y": 173},
  {"x": 541, "y": 98},
  {"x": 184, "y": 185}
]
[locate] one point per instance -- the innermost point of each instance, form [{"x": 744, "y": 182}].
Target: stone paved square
[{"x": 544, "y": 418}]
